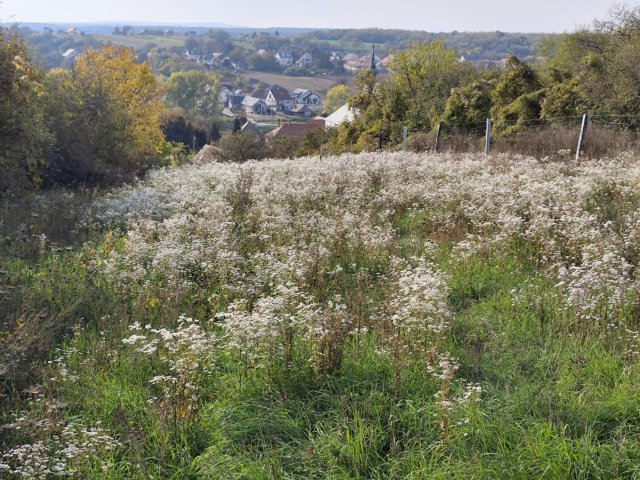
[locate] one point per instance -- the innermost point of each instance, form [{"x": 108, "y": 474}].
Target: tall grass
[{"x": 375, "y": 316}]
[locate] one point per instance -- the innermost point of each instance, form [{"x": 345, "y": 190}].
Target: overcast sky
[{"x": 429, "y": 15}]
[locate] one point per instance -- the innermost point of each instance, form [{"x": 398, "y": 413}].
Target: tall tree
[
  {"x": 426, "y": 73},
  {"x": 106, "y": 117},
  {"x": 23, "y": 135},
  {"x": 336, "y": 97},
  {"x": 518, "y": 79},
  {"x": 469, "y": 104},
  {"x": 195, "y": 92},
  {"x": 517, "y": 96}
]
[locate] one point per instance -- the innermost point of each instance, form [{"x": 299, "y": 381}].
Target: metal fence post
[
  {"x": 405, "y": 130},
  {"x": 436, "y": 146},
  {"x": 583, "y": 128},
  {"x": 487, "y": 140}
]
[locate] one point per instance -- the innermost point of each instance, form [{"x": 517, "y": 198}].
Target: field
[
  {"x": 371, "y": 316},
  {"x": 319, "y": 84},
  {"x": 140, "y": 41}
]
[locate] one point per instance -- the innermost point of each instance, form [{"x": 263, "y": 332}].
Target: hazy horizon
[{"x": 460, "y": 15}]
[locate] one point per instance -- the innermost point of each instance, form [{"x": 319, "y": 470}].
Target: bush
[
  {"x": 236, "y": 147},
  {"x": 178, "y": 128}
]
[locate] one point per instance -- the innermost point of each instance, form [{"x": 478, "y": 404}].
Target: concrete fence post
[
  {"x": 487, "y": 140},
  {"x": 583, "y": 129},
  {"x": 436, "y": 145}
]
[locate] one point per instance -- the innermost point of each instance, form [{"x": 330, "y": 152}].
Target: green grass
[{"x": 555, "y": 403}]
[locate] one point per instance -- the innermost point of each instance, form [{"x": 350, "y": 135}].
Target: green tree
[
  {"x": 603, "y": 62},
  {"x": 195, "y": 92},
  {"x": 512, "y": 118},
  {"x": 518, "y": 79},
  {"x": 564, "y": 99},
  {"x": 214, "y": 132},
  {"x": 469, "y": 105},
  {"x": 24, "y": 137},
  {"x": 105, "y": 114},
  {"x": 336, "y": 97},
  {"x": 382, "y": 111},
  {"x": 236, "y": 125},
  {"x": 178, "y": 128},
  {"x": 425, "y": 74},
  {"x": 239, "y": 147},
  {"x": 517, "y": 96},
  {"x": 263, "y": 63}
]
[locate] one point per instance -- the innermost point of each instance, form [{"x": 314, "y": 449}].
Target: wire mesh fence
[{"x": 603, "y": 135}]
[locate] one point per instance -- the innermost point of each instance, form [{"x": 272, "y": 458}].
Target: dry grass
[{"x": 540, "y": 142}]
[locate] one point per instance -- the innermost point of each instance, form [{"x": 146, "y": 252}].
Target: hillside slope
[{"x": 367, "y": 316}]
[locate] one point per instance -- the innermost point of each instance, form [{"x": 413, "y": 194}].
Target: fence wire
[{"x": 553, "y": 137}]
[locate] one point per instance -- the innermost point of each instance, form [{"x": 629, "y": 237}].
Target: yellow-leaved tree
[
  {"x": 23, "y": 135},
  {"x": 105, "y": 114}
]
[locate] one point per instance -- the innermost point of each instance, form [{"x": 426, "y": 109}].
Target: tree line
[
  {"x": 107, "y": 118},
  {"x": 103, "y": 121},
  {"x": 594, "y": 70},
  {"x": 97, "y": 123}
]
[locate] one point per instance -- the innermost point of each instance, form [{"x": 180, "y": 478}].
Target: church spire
[{"x": 372, "y": 63}]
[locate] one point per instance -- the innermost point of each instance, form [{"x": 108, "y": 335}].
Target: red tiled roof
[
  {"x": 296, "y": 130},
  {"x": 279, "y": 93}
]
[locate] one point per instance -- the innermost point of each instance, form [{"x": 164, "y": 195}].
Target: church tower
[{"x": 372, "y": 63}]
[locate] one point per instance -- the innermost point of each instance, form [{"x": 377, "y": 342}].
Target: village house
[
  {"x": 285, "y": 59},
  {"x": 192, "y": 56},
  {"x": 302, "y": 111},
  {"x": 227, "y": 64},
  {"x": 207, "y": 59},
  {"x": 224, "y": 94},
  {"x": 278, "y": 98},
  {"x": 250, "y": 128},
  {"x": 487, "y": 64},
  {"x": 255, "y": 106},
  {"x": 301, "y": 96},
  {"x": 305, "y": 60},
  {"x": 235, "y": 103},
  {"x": 70, "y": 54},
  {"x": 354, "y": 63},
  {"x": 336, "y": 57},
  {"x": 383, "y": 64},
  {"x": 294, "y": 130},
  {"x": 340, "y": 116}
]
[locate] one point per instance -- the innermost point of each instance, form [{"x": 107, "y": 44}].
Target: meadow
[
  {"x": 371, "y": 316},
  {"x": 319, "y": 84},
  {"x": 140, "y": 41}
]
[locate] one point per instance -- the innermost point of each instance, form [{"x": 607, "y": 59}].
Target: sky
[{"x": 429, "y": 15}]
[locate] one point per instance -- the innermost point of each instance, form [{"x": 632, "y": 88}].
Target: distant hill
[
  {"x": 108, "y": 27},
  {"x": 51, "y": 40}
]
